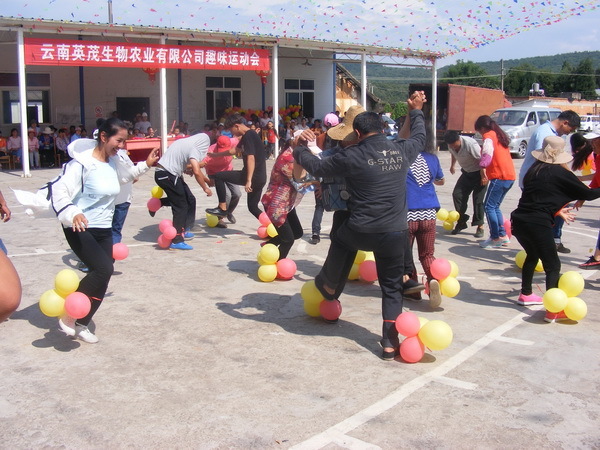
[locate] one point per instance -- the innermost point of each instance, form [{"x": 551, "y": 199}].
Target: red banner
[{"x": 51, "y": 52}]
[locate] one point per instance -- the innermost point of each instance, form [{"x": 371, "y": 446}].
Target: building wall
[{"x": 103, "y": 85}]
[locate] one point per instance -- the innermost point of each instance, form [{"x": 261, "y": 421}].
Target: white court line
[
  {"x": 40, "y": 251},
  {"x": 360, "y": 418},
  {"x": 453, "y": 382},
  {"x": 515, "y": 341}
]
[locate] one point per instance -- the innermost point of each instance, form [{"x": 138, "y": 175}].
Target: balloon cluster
[
  {"x": 364, "y": 267},
  {"x": 445, "y": 272},
  {"x": 449, "y": 218},
  {"x": 168, "y": 233},
  {"x": 421, "y": 333},
  {"x": 271, "y": 267},
  {"x": 266, "y": 228},
  {"x": 520, "y": 260},
  {"x": 154, "y": 203},
  {"x": 315, "y": 305},
  {"x": 564, "y": 297},
  {"x": 64, "y": 298}
]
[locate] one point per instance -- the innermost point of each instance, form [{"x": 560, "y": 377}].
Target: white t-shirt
[
  {"x": 177, "y": 156},
  {"x": 143, "y": 125},
  {"x": 97, "y": 198}
]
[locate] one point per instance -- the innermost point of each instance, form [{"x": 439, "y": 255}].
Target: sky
[{"x": 472, "y": 30}]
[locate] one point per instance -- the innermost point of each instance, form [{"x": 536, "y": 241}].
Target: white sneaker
[
  {"x": 82, "y": 332},
  {"x": 67, "y": 324},
  {"x": 435, "y": 294}
]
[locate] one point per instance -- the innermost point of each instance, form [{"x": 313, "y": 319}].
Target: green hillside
[{"x": 555, "y": 73}]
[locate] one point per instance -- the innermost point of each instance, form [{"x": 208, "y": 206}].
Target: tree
[
  {"x": 520, "y": 80},
  {"x": 584, "y": 81},
  {"x": 470, "y": 74}
]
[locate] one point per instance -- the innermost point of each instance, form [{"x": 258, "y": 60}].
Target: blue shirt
[
  {"x": 535, "y": 143},
  {"x": 420, "y": 190}
]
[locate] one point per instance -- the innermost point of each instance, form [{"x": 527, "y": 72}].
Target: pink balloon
[
  {"x": 170, "y": 233},
  {"x": 120, "y": 251},
  {"x": 508, "y": 228},
  {"x": 164, "y": 224},
  {"x": 330, "y": 309},
  {"x": 412, "y": 349},
  {"x": 408, "y": 324},
  {"x": 262, "y": 232},
  {"x": 440, "y": 268},
  {"x": 163, "y": 242},
  {"x": 154, "y": 204},
  {"x": 368, "y": 271},
  {"x": 77, "y": 305},
  {"x": 286, "y": 269},
  {"x": 264, "y": 219}
]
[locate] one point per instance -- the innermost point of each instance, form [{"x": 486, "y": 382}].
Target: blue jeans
[
  {"x": 497, "y": 190},
  {"x": 317, "y": 216},
  {"x": 3, "y": 247},
  {"x": 119, "y": 220}
]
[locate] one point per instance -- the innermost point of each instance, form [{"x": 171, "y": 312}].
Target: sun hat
[
  {"x": 553, "y": 151},
  {"x": 224, "y": 143},
  {"x": 331, "y": 120},
  {"x": 344, "y": 130},
  {"x": 30, "y": 130},
  {"x": 47, "y": 130},
  {"x": 591, "y": 135},
  {"x": 144, "y": 114}
]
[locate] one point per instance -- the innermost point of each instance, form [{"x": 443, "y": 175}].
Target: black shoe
[
  {"x": 315, "y": 239},
  {"x": 216, "y": 211},
  {"x": 458, "y": 228},
  {"x": 152, "y": 213},
  {"x": 416, "y": 297},
  {"x": 479, "y": 232},
  {"x": 590, "y": 264},
  {"x": 412, "y": 287},
  {"x": 560, "y": 248},
  {"x": 231, "y": 218},
  {"x": 390, "y": 355}
]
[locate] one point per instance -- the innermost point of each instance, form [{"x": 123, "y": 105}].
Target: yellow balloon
[
  {"x": 271, "y": 230},
  {"x": 453, "y": 216},
  {"x": 360, "y": 256},
  {"x": 555, "y": 300},
  {"x": 157, "y": 192},
  {"x": 422, "y": 321},
  {"x": 572, "y": 283},
  {"x": 269, "y": 253},
  {"x": 259, "y": 259},
  {"x": 576, "y": 308},
  {"x": 448, "y": 226},
  {"x": 211, "y": 220},
  {"x": 369, "y": 256},
  {"x": 453, "y": 269},
  {"x": 52, "y": 304},
  {"x": 539, "y": 267},
  {"x": 520, "y": 258},
  {"x": 310, "y": 293},
  {"x": 436, "y": 335},
  {"x": 267, "y": 272},
  {"x": 442, "y": 214},
  {"x": 450, "y": 287},
  {"x": 313, "y": 309},
  {"x": 354, "y": 275},
  {"x": 66, "y": 282}
]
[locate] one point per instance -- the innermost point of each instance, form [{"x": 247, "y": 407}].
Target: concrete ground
[{"x": 196, "y": 352}]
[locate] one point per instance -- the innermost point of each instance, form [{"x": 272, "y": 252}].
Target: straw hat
[
  {"x": 344, "y": 131},
  {"x": 553, "y": 151},
  {"x": 47, "y": 130}
]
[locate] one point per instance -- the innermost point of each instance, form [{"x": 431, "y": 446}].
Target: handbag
[{"x": 334, "y": 194}]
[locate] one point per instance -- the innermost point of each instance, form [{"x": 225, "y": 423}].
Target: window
[
  {"x": 531, "y": 119},
  {"x": 300, "y": 92},
  {"x": 38, "y": 101},
  {"x": 222, "y": 93}
]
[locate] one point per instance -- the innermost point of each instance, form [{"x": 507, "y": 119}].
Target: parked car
[
  {"x": 589, "y": 123},
  {"x": 520, "y": 123},
  {"x": 391, "y": 127}
]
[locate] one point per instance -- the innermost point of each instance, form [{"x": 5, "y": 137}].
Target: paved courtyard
[{"x": 196, "y": 352}]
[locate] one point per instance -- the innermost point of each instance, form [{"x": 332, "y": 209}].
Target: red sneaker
[{"x": 555, "y": 317}]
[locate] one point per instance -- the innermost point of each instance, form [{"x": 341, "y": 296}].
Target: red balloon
[
  {"x": 440, "y": 268},
  {"x": 120, "y": 251},
  {"x": 262, "y": 232},
  {"x": 286, "y": 269},
  {"x": 408, "y": 324},
  {"x": 330, "y": 309},
  {"x": 154, "y": 204},
  {"x": 163, "y": 242},
  {"x": 170, "y": 233},
  {"x": 264, "y": 219},
  {"x": 164, "y": 224},
  {"x": 77, "y": 305},
  {"x": 368, "y": 271},
  {"x": 508, "y": 228},
  {"x": 412, "y": 349}
]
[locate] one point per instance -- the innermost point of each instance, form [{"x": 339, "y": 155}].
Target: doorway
[{"x": 128, "y": 107}]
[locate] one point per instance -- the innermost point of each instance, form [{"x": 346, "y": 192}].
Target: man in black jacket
[{"x": 375, "y": 171}]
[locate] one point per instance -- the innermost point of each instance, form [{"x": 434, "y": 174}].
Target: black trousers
[
  {"x": 94, "y": 248},
  {"x": 239, "y": 177},
  {"x": 181, "y": 200},
  {"x": 538, "y": 243},
  {"x": 288, "y": 232},
  {"x": 467, "y": 183}
]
